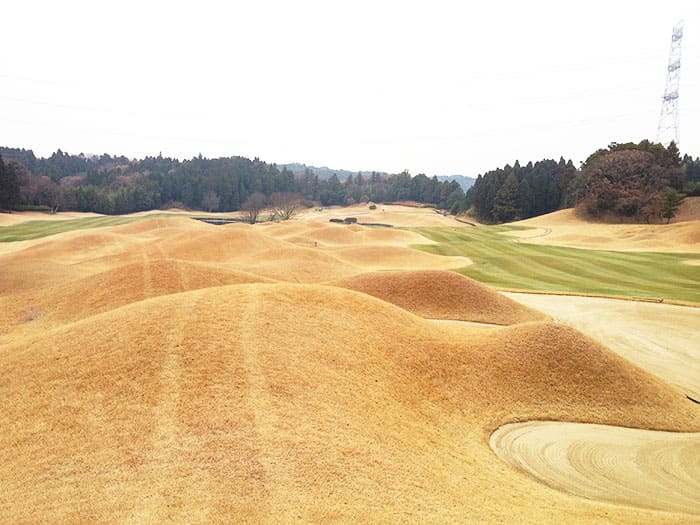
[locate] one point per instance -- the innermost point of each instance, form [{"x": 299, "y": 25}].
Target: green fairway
[
  {"x": 502, "y": 262},
  {"x": 34, "y": 229}
]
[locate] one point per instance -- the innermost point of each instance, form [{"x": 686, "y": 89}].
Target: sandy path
[
  {"x": 662, "y": 339},
  {"x": 645, "y": 468}
]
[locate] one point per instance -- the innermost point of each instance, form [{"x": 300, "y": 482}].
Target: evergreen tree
[
  {"x": 505, "y": 204},
  {"x": 9, "y": 185}
]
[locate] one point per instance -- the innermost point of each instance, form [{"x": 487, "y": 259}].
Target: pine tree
[{"x": 505, "y": 204}]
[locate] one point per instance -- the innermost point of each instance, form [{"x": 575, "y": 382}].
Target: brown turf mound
[
  {"x": 435, "y": 294},
  {"x": 22, "y": 274},
  {"x": 243, "y": 402},
  {"x": 298, "y": 264},
  {"x": 81, "y": 298},
  {"x": 219, "y": 243},
  {"x": 397, "y": 258},
  {"x": 77, "y": 246},
  {"x": 314, "y": 234},
  {"x": 155, "y": 224}
]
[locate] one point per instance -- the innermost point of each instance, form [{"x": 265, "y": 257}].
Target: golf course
[{"x": 404, "y": 367}]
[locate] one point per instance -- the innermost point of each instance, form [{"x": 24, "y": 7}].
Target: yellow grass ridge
[{"x": 436, "y": 294}]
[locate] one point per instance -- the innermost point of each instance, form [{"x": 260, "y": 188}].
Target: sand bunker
[
  {"x": 437, "y": 294},
  {"x": 645, "y": 468}
]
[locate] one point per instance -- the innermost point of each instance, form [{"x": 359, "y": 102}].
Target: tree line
[
  {"x": 116, "y": 185},
  {"x": 641, "y": 182}
]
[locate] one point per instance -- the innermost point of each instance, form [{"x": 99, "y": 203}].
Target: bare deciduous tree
[
  {"x": 253, "y": 205},
  {"x": 210, "y": 201},
  {"x": 285, "y": 204}
]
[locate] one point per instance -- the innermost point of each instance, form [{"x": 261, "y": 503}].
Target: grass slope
[
  {"x": 250, "y": 403},
  {"x": 502, "y": 262},
  {"x": 36, "y": 229}
]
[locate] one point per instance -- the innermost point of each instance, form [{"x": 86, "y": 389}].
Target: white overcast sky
[{"x": 439, "y": 87}]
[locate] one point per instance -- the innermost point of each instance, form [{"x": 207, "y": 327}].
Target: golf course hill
[
  {"x": 567, "y": 228},
  {"x": 436, "y": 294},
  {"x": 242, "y": 402}
]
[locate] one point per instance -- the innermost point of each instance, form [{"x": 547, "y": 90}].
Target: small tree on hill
[{"x": 671, "y": 202}]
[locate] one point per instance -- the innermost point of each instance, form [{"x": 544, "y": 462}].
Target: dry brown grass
[
  {"x": 251, "y": 401},
  {"x": 689, "y": 210},
  {"x": 565, "y": 228},
  {"x": 436, "y": 294},
  {"x": 155, "y": 373}
]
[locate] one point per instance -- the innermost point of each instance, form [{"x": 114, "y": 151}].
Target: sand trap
[
  {"x": 438, "y": 294},
  {"x": 645, "y": 468},
  {"x": 662, "y": 339}
]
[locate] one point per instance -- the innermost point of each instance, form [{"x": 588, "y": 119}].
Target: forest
[
  {"x": 640, "y": 182},
  {"x": 116, "y": 185}
]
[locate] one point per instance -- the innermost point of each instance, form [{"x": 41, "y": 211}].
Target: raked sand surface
[{"x": 173, "y": 371}]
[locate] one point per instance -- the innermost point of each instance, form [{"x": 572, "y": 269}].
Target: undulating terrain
[{"x": 162, "y": 369}]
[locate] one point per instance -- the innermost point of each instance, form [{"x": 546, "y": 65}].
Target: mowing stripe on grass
[
  {"x": 35, "y": 229},
  {"x": 502, "y": 262}
]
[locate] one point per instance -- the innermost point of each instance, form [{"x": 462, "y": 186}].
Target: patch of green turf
[
  {"x": 34, "y": 229},
  {"x": 502, "y": 262}
]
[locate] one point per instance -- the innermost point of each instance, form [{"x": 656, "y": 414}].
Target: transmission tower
[{"x": 668, "y": 121}]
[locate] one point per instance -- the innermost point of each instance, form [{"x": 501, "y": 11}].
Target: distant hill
[
  {"x": 464, "y": 182},
  {"x": 325, "y": 173}
]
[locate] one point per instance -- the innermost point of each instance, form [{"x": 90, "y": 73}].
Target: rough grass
[
  {"x": 502, "y": 262},
  {"x": 439, "y": 294},
  {"x": 34, "y": 229},
  {"x": 267, "y": 403},
  {"x": 129, "y": 396}
]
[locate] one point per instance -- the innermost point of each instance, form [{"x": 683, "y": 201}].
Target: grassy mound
[
  {"x": 241, "y": 402},
  {"x": 436, "y": 294}
]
